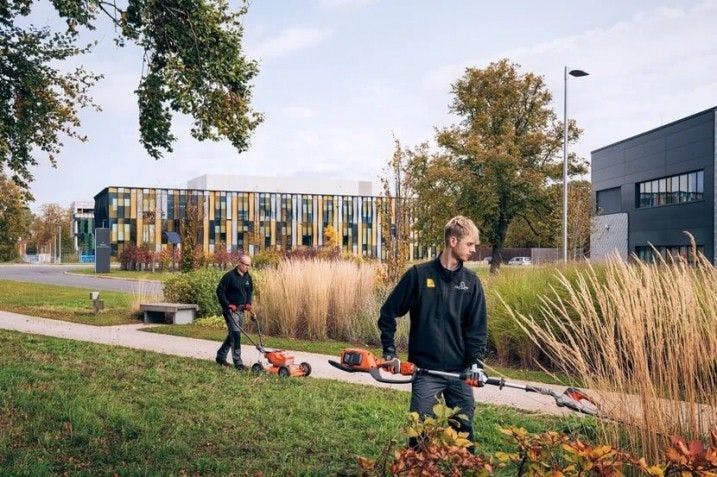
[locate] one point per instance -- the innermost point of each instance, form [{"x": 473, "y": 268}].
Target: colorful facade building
[
  {"x": 241, "y": 217},
  {"x": 83, "y": 228}
]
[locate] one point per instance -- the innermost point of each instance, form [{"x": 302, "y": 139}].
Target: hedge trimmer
[{"x": 363, "y": 361}]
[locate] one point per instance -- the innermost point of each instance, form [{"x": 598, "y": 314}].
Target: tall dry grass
[
  {"x": 319, "y": 299},
  {"x": 643, "y": 339},
  {"x": 144, "y": 292}
]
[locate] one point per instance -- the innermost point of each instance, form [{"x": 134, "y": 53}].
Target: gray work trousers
[
  {"x": 425, "y": 392},
  {"x": 233, "y": 340}
]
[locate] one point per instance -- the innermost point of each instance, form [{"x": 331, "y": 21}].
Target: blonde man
[{"x": 448, "y": 329}]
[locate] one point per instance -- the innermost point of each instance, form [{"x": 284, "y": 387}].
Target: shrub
[
  {"x": 441, "y": 450},
  {"x": 221, "y": 258},
  {"x": 266, "y": 258},
  {"x": 211, "y": 321},
  {"x": 166, "y": 258},
  {"x": 198, "y": 287},
  {"x": 127, "y": 257}
]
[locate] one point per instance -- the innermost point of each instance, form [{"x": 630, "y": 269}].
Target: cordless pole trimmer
[{"x": 363, "y": 361}]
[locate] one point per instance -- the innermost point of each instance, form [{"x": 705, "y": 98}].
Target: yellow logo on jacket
[{"x": 430, "y": 283}]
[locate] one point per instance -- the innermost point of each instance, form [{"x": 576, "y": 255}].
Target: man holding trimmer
[
  {"x": 448, "y": 329},
  {"x": 234, "y": 293}
]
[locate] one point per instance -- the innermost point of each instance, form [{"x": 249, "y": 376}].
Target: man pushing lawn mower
[
  {"x": 448, "y": 331},
  {"x": 234, "y": 293}
]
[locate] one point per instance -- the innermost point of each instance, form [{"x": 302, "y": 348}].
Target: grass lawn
[
  {"x": 127, "y": 274},
  {"x": 81, "y": 408},
  {"x": 327, "y": 347},
  {"x": 64, "y": 303}
]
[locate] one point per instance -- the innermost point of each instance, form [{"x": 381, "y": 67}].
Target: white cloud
[
  {"x": 291, "y": 40},
  {"x": 298, "y": 112},
  {"x": 347, "y": 4},
  {"x": 654, "y": 68}
]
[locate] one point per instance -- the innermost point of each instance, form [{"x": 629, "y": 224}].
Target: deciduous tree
[
  {"x": 497, "y": 163},
  {"x": 193, "y": 64},
  {"x": 546, "y": 230},
  {"x": 14, "y": 219},
  {"x": 51, "y": 228},
  {"x": 395, "y": 211}
]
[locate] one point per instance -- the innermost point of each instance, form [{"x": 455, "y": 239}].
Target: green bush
[
  {"x": 211, "y": 321},
  {"x": 198, "y": 286},
  {"x": 266, "y": 258},
  {"x": 521, "y": 289}
]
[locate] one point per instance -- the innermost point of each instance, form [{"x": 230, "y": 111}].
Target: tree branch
[
  {"x": 112, "y": 16},
  {"x": 530, "y": 225}
]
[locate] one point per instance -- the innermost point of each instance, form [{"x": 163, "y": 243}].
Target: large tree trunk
[
  {"x": 496, "y": 257},
  {"x": 497, "y": 252}
]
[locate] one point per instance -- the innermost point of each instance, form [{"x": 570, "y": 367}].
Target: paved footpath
[{"x": 131, "y": 336}]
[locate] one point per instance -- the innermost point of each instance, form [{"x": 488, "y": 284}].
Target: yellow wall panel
[{"x": 133, "y": 204}]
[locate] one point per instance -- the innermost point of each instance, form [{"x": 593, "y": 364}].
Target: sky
[{"x": 338, "y": 79}]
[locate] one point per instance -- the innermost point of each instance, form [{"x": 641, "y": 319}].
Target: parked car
[{"x": 520, "y": 261}]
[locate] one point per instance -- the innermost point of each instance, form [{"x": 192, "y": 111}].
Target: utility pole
[
  {"x": 59, "y": 247},
  {"x": 398, "y": 205}
]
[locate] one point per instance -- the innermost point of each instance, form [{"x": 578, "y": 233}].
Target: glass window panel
[
  {"x": 700, "y": 182},
  {"x": 683, "y": 188},
  {"x": 692, "y": 185},
  {"x": 673, "y": 185}
]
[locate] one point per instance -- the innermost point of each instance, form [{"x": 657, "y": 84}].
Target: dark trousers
[
  {"x": 425, "y": 392},
  {"x": 233, "y": 340}
]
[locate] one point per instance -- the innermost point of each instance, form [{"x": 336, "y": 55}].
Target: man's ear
[{"x": 452, "y": 241}]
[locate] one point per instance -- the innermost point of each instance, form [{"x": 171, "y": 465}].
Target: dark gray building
[{"x": 650, "y": 188}]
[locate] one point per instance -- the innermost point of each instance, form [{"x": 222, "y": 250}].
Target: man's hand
[
  {"x": 247, "y": 307},
  {"x": 232, "y": 307},
  {"x": 392, "y": 363},
  {"x": 475, "y": 376}
]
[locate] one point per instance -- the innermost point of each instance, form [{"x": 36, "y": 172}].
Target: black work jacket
[
  {"x": 234, "y": 289},
  {"x": 448, "y": 317}
]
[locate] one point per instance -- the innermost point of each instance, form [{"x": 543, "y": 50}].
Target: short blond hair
[{"x": 460, "y": 227}]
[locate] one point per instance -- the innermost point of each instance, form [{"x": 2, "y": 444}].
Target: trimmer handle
[{"x": 376, "y": 374}]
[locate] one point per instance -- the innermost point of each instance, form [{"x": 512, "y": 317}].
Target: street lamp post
[{"x": 577, "y": 74}]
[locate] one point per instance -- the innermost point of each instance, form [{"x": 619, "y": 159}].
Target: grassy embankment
[
  {"x": 65, "y": 303},
  {"x": 71, "y": 407}
]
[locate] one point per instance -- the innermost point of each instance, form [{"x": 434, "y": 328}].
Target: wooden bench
[{"x": 169, "y": 313}]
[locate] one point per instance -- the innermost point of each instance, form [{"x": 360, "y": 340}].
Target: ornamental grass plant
[
  {"x": 643, "y": 338},
  {"x": 320, "y": 299}
]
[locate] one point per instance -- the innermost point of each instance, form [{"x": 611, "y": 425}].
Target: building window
[
  {"x": 678, "y": 189},
  {"x": 676, "y": 252},
  {"x": 608, "y": 201}
]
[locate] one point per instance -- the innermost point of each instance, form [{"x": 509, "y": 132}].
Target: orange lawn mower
[
  {"x": 280, "y": 362},
  {"x": 363, "y": 361}
]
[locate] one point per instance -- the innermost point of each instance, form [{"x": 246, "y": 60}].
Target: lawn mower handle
[{"x": 260, "y": 346}]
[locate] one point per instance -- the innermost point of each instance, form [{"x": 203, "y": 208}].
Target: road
[{"x": 55, "y": 275}]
